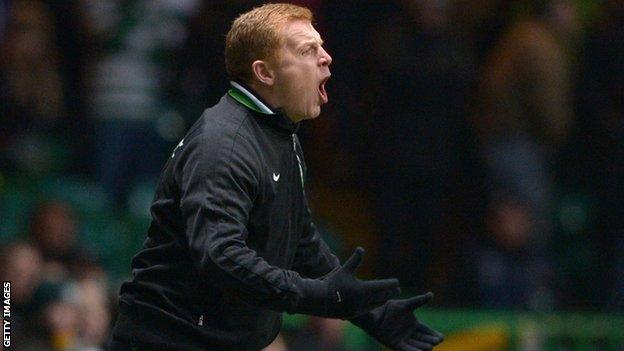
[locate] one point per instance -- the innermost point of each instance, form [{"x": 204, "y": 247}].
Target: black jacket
[{"x": 231, "y": 231}]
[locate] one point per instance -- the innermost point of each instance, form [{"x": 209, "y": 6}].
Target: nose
[{"x": 325, "y": 59}]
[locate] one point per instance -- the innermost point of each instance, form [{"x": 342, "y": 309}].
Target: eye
[{"x": 309, "y": 50}]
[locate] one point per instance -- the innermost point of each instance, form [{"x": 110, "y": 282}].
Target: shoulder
[
  {"x": 220, "y": 137},
  {"x": 224, "y": 121}
]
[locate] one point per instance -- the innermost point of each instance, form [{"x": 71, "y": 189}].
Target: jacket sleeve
[
  {"x": 218, "y": 187},
  {"x": 313, "y": 258}
]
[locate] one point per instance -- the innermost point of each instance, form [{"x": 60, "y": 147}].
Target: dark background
[{"x": 474, "y": 148}]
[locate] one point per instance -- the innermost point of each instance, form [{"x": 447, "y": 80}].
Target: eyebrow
[
  {"x": 307, "y": 39},
  {"x": 311, "y": 40}
]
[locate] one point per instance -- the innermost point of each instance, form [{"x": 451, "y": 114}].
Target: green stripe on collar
[{"x": 245, "y": 100}]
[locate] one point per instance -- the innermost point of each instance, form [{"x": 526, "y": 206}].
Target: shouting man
[{"x": 232, "y": 245}]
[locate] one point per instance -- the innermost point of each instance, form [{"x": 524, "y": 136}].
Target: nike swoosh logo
[
  {"x": 276, "y": 177},
  {"x": 339, "y": 298}
]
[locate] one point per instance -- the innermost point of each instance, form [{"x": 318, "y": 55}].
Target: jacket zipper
[{"x": 294, "y": 139}]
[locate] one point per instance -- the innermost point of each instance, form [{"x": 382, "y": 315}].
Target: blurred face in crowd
[
  {"x": 23, "y": 269},
  {"x": 93, "y": 312},
  {"x": 565, "y": 17},
  {"x": 295, "y": 78},
  {"x": 62, "y": 320},
  {"x": 54, "y": 229},
  {"x": 511, "y": 224},
  {"x": 431, "y": 15},
  {"x": 30, "y": 59},
  {"x": 30, "y": 32}
]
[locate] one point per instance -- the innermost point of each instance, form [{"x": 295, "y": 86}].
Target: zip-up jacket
[{"x": 230, "y": 238}]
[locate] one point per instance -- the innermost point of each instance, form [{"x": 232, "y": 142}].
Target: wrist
[
  {"x": 312, "y": 297},
  {"x": 365, "y": 321}
]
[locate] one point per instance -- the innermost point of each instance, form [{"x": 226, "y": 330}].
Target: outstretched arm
[{"x": 217, "y": 191}]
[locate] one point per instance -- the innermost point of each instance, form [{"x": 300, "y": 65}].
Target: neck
[
  {"x": 269, "y": 96},
  {"x": 265, "y": 94}
]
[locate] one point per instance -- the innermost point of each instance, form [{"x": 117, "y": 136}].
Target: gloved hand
[
  {"x": 395, "y": 326},
  {"x": 340, "y": 294}
]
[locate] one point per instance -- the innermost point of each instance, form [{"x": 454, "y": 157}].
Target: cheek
[
  {"x": 300, "y": 90},
  {"x": 298, "y": 86},
  {"x": 300, "y": 76}
]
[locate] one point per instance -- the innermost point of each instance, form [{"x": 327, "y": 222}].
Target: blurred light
[
  {"x": 2, "y": 182},
  {"x": 140, "y": 199},
  {"x": 170, "y": 126},
  {"x": 573, "y": 216}
]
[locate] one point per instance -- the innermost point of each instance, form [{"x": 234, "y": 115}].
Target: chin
[
  {"x": 309, "y": 114},
  {"x": 313, "y": 116},
  {"x": 314, "y": 113}
]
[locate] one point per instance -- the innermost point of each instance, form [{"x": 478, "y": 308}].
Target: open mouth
[{"x": 322, "y": 91}]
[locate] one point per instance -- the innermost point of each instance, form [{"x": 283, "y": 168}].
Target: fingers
[
  {"x": 426, "y": 330},
  {"x": 354, "y": 261},
  {"x": 420, "y": 345},
  {"x": 421, "y": 341},
  {"x": 404, "y": 346},
  {"x": 428, "y": 338},
  {"x": 417, "y": 301},
  {"x": 382, "y": 290}
]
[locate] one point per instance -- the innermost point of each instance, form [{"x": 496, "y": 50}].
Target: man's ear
[{"x": 263, "y": 72}]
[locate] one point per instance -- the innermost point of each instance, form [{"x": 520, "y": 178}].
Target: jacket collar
[{"x": 245, "y": 96}]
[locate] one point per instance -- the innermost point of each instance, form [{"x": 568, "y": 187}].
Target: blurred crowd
[{"x": 475, "y": 147}]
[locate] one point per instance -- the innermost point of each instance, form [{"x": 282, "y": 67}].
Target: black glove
[
  {"x": 395, "y": 326},
  {"x": 339, "y": 294}
]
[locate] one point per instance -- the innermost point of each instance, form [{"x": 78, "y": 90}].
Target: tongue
[{"x": 323, "y": 93}]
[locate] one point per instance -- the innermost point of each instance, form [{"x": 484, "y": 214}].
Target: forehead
[{"x": 299, "y": 31}]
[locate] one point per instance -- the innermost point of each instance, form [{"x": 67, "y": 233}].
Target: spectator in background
[
  {"x": 54, "y": 231},
  {"x": 525, "y": 113},
  {"x": 48, "y": 313},
  {"x": 94, "y": 312},
  {"x": 58, "y": 285},
  {"x": 32, "y": 106},
  {"x": 73, "y": 53},
  {"x": 134, "y": 117},
  {"x": 502, "y": 269},
  {"x": 523, "y": 121},
  {"x": 601, "y": 107},
  {"x": 423, "y": 74},
  {"x": 200, "y": 78},
  {"x": 22, "y": 265},
  {"x": 62, "y": 323},
  {"x": 320, "y": 334},
  {"x": 481, "y": 22},
  {"x": 75, "y": 316}
]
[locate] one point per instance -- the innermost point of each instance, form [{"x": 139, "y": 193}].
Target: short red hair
[{"x": 255, "y": 35}]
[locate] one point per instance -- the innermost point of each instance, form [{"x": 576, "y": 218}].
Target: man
[{"x": 232, "y": 245}]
